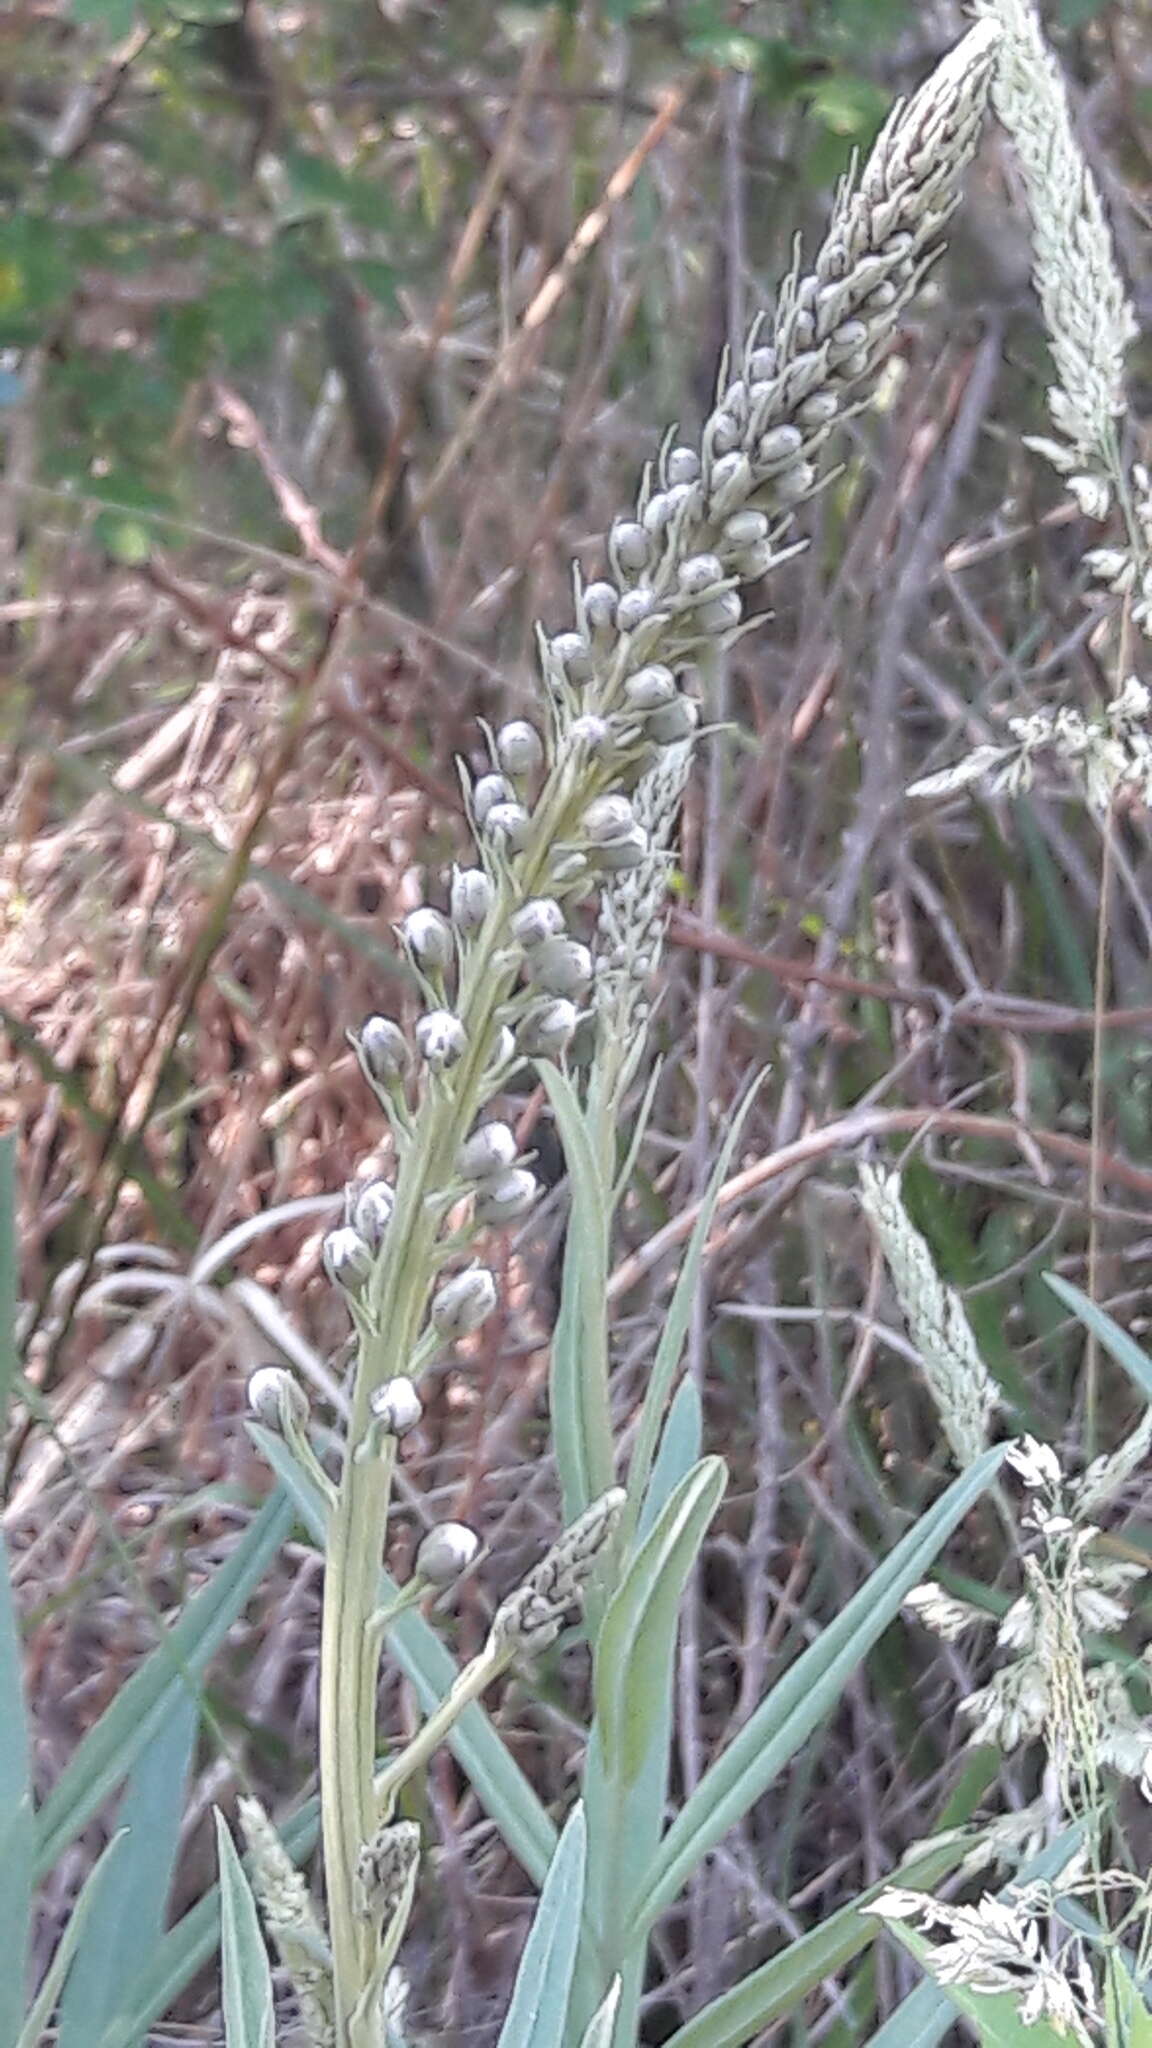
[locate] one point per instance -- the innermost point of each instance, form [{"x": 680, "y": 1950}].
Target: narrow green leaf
[
  {"x": 149, "y": 1697},
  {"x": 779, "y": 1985},
  {"x": 17, "y": 1830},
  {"x": 127, "y": 1921},
  {"x": 8, "y": 1359},
  {"x": 539, "y": 2008},
  {"x": 1117, "y": 1343},
  {"x": 497, "y": 1779},
  {"x": 802, "y": 1698},
  {"x": 598, "y": 2032},
  {"x": 249, "y": 2013},
  {"x": 578, "y": 1383},
  {"x": 637, "y": 1639},
  {"x": 45, "y": 2002},
  {"x": 680, "y": 1444},
  {"x": 675, "y": 1330}
]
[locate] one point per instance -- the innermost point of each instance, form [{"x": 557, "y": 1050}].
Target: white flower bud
[
  {"x": 347, "y": 1259},
  {"x": 634, "y": 607},
  {"x": 754, "y": 562},
  {"x": 658, "y": 513},
  {"x": 277, "y": 1399},
  {"x": 548, "y": 1030},
  {"x": 571, "y": 651},
  {"x": 503, "y": 1047},
  {"x": 561, "y": 967},
  {"x": 779, "y": 446},
  {"x": 845, "y": 340},
  {"x": 442, "y": 1040},
  {"x": 795, "y": 482},
  {"x": 447, "y": 1550},
  {"x": 699, "y": 573},
  {"x": 472, "y": 895},
  {"x": 723, "y": 432},
  {"x": 649, "y": 687},
  {"x": 590, "y": 732},
  {"x": 729, "y": 484},
  {"x": 519, "y": 748},
  {"x": 463, "y": 1303},
  {"x": 673, "y": 722},
  {"x": 384, "y": 1051},
  {"x": 397, "y": 1407},
  {"x": 745, "y": 529},
  {"x": 372, "y": 1212},
  {"x": 629, "y": 544},
  {"x": 506, "y": 1198},
  {"x": 719, "y": 614},
  {"x": 819, "y": 410},
  {"x": 600, "y": 602},
  {"x": 428, "y": 936},
  {"x": 508, "y": 825},
  {"x": 682, "y": 466},
  {"x": 616, "y": 856},
  {"x": 761, "y": 364},
  {"x": 490, "y": 1150},
  {"x": 539, "y": 919},
  {"x": 607, "y": 817},
  {"x": 487, "y": 792}
]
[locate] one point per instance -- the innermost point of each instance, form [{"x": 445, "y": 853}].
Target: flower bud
[
  {"x": 442, "y": 1040},
  {"x": 447, "y": 1550},
  {"x": 508, "y": 825},
  {"x": 487, "y": 792},
  {"x": 590, "y": 732},
  {"x": 795, "y": 483},
  {"x": 629, "y": 544},
  {"x": 539, "y": 919},
  {"x": 519, "y": 748},
  {"x": 463, "y": 1303},
  {"x": 506, "y": 1198},
  {"x": 571, "y": 651},
  {"x": 561, "y": 967},
  {"x": 657, "y": 513},
  {"x": 754, "y": 562},
  {"x": 600, "y": 602},
  {"x": 372, "y": 1212},
  {"x": 616, "y": 856},
  {"x": 673, "y": 722},
  {"x": 845, "y": 340},
  {"x": 548, "y": 1029},
  {"x": 681, "y": 466},
  {"x": 649, "y": 687},
  {"x": 729, "y": 484},
  {"x": 428, "y": 936},
  {"x": 490, "y": 1150},
  {"x": 607, "y": 817},
  {"x": 634, "y": 607},
  {"x": 347, "y": 1259},
  {"x": 761, "y": 364},
  {"x": 699, "y": 574},
  {"x": 779, "y": 446},
  {"x": 472, "y": 895},
  {"x": 723, "y": 432},
  {"x": 384, "y": 1051},
  {"x": 719, "y": 614},
  {"x": 745, "y": 529},
  {"x": 503, "y": 1047},
  {"x": 396, "y": 1407},
  {"x": 819, "y": 410},
  {"x": 277, "y": 1399}
]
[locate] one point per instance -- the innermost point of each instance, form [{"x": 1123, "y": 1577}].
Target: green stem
[{"x": 472, "y": 1681}]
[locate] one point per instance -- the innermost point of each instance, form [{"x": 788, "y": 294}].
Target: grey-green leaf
[
  {"x": 245, "y": 1973},
  {"x": 17, "y": 1834},
  {"x": 539, "y": 2008}
]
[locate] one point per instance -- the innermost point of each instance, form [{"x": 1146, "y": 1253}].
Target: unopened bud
[
  {"x": 384, "y": 1870},
  {"x": 673, "y": 722},
  {"x": 629, "y": 544},
  {"x": 561, "y": 967},
  {"x": 487, "y": 792},
  {"x": 634, "y": 607},
  {"x": 490, "y": 1150},
  {"x": 396, "y": 1407},
  {"x": 446, "y": 1551},
  {"x": 463, "y": 1303},
  {"x": 570, "y": 650},
  {"x": 472, "y": 895},
  {"x": 442, "y": 1040},
  {"x": 699, "y": 574},
  {"x": 548, "y": 1030},
  {"x": 507, "y": 1197},
  {"x": 650, "y": 687},
  {"x": 277, "y": 1399},
  {"x": 779, "y": 446},
  {"x": 761, "y": 363},
  {"x": 617, "y": 856},
  {"x": 795, "y": 482},
  {"x": 428, "y": 937},
  {"x": 682, "y": 465},
  {"x": 519, "y": 748},
  {"x": 745, "y": 529},
  {"x": 347, "y": 1259},
  {"x": 720, "y": 614},
  {"x": 590, "y": 732},
  {"x": 539, "y": 919},
  {"x": 600, "y": 602},
  {"x": 372, "y": 1212},
  {"x": 385, "y": 1053},
  {"x": 607, "y": 817},
  {"x": 508, "y": 825}
]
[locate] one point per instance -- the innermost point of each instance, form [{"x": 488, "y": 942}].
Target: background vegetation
[{"x": 329, "y": 334}]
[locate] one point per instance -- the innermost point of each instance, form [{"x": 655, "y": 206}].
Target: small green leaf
[
  {"x": 539, "y": 2008},
  {"x": 1118, "y": 1344},
  {"x": 17, "y": 1834},
  {"x": 249, "y": 2015}
]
